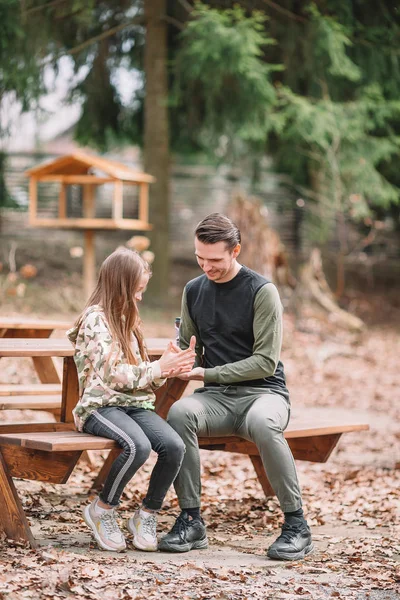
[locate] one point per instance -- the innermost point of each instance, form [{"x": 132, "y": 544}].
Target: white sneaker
[
  {"x": 143, "y": 526},
  {"x": 105, "y": 528}
]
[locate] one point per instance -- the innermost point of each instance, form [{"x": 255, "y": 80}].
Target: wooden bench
[
  {"x": 50, "y": 451},
  {"x": 19, "y": 396}
]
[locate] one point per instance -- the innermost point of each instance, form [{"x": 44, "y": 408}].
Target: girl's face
[{"x": 144, "y": 280}]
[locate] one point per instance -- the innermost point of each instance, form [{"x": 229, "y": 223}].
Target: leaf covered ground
[{"x": 352, "y": 502}]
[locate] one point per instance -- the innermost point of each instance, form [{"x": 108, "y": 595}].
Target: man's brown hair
[{"x": 218, "y": 228}]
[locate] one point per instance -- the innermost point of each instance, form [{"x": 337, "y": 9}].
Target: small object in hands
[{"x": 177, "y": 325}]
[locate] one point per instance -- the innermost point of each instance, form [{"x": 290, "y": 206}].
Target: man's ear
[{"x": 236, "y": 250}]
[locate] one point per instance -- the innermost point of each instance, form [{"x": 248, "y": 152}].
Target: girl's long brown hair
[{"x": 119, "y": 279}]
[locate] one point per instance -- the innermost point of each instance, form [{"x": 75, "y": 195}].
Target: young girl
[{"x": 116, "y": 384}]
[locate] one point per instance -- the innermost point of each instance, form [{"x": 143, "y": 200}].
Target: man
[{"x": 236, "y": 316}]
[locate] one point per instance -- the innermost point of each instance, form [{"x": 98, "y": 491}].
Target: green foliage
[
  {"x": 222, "y": 83},
  {"x": 341, "y": 146}
]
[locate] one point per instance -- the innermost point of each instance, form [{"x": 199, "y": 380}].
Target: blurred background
[{"x": 283, "y": 115}]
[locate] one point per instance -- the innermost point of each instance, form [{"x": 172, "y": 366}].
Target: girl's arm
[{"x": 98, "y": 348}]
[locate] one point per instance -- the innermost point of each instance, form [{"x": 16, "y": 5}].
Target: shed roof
[{"x": 79, "y": 163}]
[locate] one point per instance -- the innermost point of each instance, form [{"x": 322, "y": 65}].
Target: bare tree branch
[
  {"x": 186, "y": 5},
  {"x": 34, "y": 9},
  {"x": 285, "y": 11},
  {"x": 173, "y": 21},
  {"x": 106, "y": 34}
]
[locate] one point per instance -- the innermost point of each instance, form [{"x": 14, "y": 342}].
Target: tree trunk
[{"x": 156, "y": 141}]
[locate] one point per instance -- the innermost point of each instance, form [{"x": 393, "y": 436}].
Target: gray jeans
[
  {"x": 251, "y": 413},
  {"x": 137, "y": 431}
]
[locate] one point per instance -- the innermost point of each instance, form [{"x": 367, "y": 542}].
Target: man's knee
[{"x": 180, "y": 414}]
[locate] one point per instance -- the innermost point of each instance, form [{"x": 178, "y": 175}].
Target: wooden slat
[
  {"x": 70, "y": 390},
  {"x": 13, "y": 520},
  {"x": 6, "y": 428},
  {"x": 31, "y": 403},
  {"x": 62, "y": 347},
  {"x": 32, "y": 389},
  {"x": 52, "y": 467},
  {"x": 60, "y": 441},
  {"x": 30, "y": 323},
  {"x": 79, "y": 179},
  {"x": 131, "y": 224}
]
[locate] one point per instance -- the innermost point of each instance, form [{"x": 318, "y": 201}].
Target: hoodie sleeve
[{"x": 95, "y": 346}]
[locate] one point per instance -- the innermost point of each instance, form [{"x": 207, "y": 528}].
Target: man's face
[{"x": 217, "y": 262}]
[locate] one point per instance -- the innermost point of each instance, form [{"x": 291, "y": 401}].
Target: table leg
[
  {"x": 262, "y": 477},
  {"x": 12, "y": 516}
]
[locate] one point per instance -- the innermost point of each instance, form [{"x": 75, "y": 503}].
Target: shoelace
[
  {"x": 150, "y": 526},
  {"x": 180, "y": 527},
  {"x": 288, "y": 530},
  {"x": 109, "y": 522}
]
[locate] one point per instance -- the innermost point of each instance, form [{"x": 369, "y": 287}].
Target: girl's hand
[{"x": 174, "y": 361}]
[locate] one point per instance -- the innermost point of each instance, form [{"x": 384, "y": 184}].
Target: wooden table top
[
  {"x": 60, "y": 347},
  {"x": 33, "y": 323}
]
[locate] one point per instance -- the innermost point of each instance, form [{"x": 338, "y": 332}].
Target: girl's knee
[
  {"x": 139, "y": 450},
  {"x": 174, "y": 450}
]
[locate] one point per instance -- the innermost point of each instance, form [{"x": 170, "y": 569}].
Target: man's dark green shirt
[{"x": 238, "y": 327}]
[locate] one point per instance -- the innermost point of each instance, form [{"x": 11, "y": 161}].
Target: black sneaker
[
  {"x": 294, "y": 542},
  {"x": 187, "y": 534}
]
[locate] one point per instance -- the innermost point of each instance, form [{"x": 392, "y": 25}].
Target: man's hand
[{"x": 196, "y": 374}]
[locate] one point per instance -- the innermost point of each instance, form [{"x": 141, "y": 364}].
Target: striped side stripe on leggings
[{"x": 132, "y": 449}]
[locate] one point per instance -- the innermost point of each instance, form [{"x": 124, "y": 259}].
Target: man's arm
[
  {"x": 187, "y": 329},
  {"x": 267, "y": 330}
]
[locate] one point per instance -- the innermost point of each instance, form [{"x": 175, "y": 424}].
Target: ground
[{"x": 352, "y": 502}]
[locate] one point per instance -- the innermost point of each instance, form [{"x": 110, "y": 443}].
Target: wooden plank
[
  {"x": 52, "y": 467},
  {"x": 18, "y": 322},
  {"x": 35, "y": 347},
  {"x": 62, "y": 202},
  {"x": 70, "y": 390},
  {"x": 261, "y": 475},
  {"x": 76, "y": 223},
  {"x": 47, "y": 403},
  {"x": 34, "y": 427},
  {"x": 79, "y": 179},
  {"x": 144, "y": 202},
  {"x": 32, "y": 389},
  {"x": 118, "y": 201},
  {"x": 46, "y": 369},
  {"x": 57, "y": 441},
  {"x": 168, "y": 394},
  {"x": 315, "y": 448},
  {"x": 62, "y": 347},
  {"x": 89, "y": 263},
  {"x": 33, "y": 200},
  {"x": 12, "y": 517}
]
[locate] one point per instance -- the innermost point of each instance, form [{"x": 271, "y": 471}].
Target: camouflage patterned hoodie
[{"x": 105, "y": 376}]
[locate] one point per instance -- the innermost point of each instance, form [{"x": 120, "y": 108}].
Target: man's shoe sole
[
  {"x": 291, "y": 555},
  {"x": 196, "y": 545}
]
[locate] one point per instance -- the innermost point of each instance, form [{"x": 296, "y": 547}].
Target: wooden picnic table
[
  {"x": 50, "y": 451},
  {"x": 29, "y": 327}
]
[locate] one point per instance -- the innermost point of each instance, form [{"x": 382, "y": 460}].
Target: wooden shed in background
[{"x": 86, "y": 172}]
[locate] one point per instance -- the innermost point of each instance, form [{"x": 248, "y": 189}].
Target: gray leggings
[
  {"x": 137, "y": 431},
  {"x": 251, "y": 413}
]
